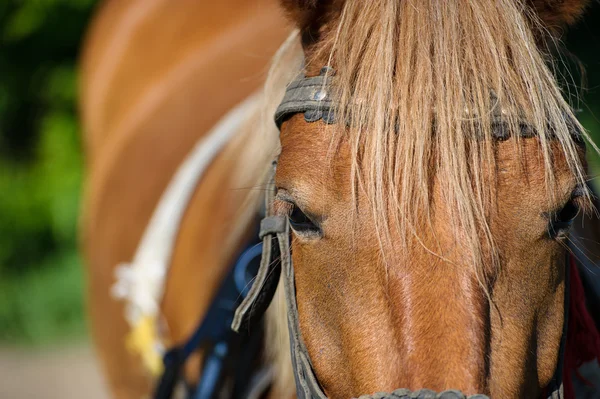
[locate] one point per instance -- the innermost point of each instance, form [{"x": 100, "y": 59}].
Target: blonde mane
[
  {"x": 418, "y": 81},
  {"x": 423, "y": 104}
]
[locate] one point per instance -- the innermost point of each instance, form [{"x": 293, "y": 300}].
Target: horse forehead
[
  {"x": 521, "y": 167},
  {"x": 309, "y": 154}
]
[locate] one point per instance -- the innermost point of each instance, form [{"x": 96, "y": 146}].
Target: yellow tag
[{"x": 142, "y": 341}]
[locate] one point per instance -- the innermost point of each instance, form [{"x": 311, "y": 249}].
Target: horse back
[{"x": 156, "y": 75}]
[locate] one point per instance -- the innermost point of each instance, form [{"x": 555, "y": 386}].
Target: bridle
[{"x": 312, "y": 97}]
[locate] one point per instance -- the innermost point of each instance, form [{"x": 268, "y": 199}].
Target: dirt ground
[{"x": 58, "y": 373}]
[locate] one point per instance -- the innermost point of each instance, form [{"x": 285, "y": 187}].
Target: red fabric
[{"x": 583, "y": 340}]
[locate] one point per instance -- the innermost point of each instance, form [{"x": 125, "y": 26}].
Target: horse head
[{"x": 430, "y": 194}]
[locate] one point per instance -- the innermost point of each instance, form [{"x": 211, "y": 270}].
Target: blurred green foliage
[
  {"x": 583, "y": 44},
  {"x": 41, "y": 161},
  {"x": 40, "y": 169}
]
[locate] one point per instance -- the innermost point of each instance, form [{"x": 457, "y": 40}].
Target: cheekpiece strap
[{"x": 265, "y": 284}]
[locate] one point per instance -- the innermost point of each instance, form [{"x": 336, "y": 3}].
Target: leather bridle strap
[
  {"x": 263, "y": 289},
  {"x": 314, "y": 96},
  {"x": 311, "y": 96}
]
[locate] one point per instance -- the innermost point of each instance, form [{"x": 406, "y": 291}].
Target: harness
[
  {"x": 312, "y": 97},
  {"x": 229, "y": 358}
]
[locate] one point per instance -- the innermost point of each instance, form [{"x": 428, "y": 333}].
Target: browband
[
  {"x": 314, "y": 97},
  {"x": 311, "y": 96}
]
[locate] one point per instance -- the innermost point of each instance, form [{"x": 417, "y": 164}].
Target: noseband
[{"x": 312, "y": 97}]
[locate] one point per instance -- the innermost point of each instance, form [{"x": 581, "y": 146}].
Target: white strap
[{"x": 141, "y": 283}]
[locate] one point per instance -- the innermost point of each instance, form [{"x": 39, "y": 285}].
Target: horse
[{"x": 424, "y": 207}]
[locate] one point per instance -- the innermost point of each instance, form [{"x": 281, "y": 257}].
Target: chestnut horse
[{"x": 429, "y": 216}]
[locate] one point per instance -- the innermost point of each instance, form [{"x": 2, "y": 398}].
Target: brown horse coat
[{"x": 156, "y": 76}]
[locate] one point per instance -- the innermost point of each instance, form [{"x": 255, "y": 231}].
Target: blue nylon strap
[{"x": 214, "y": 334}]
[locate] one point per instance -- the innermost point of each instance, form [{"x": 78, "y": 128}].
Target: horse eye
[
  {"x": 300, "y": 222},
  {"x": 562, "y": 220},
  {"x": 568, "y": 213}
]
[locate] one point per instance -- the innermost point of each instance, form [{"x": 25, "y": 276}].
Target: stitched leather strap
[
  {"x": 263, "y": 289},
  {"x": 311, "y": 96}
]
